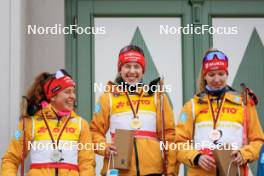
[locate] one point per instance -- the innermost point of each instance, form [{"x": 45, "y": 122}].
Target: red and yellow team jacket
[
  {"x": 77, "y": 160},
  {"x": 113, "y": 111},
  {"x": 195, "y": 125}
]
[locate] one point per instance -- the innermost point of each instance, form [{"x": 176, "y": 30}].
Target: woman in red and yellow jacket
[
  {"x": 117, "y": 109},
  {"x": 216, "y": 117},
  {"x": 51, "y": 132}
]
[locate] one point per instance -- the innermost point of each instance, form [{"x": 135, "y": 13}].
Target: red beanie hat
[
  {"x": 131, "y": 56},
  {"x": 57, "y": 84},
  {"x": 215, "y": 60}
]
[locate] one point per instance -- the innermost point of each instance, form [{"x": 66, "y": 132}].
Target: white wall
[
  {"x": 44, "y": 52},
  {"x": 5, "y": 73},
  {"x": 24, "y": 56},
  {"x": 11, "y": 57},
  {"x": 235, "y": 45}
]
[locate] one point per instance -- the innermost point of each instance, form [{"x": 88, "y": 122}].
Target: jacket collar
[
  {"x": 50, "y": 114},
  {"x": 231, "y": 95}
]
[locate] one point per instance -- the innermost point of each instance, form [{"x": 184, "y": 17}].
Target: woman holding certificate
[
  {"x": 215, "y": 117},
  {"x": 127, "y": 106}
]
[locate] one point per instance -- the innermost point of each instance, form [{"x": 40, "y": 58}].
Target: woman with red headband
[
  {"x": 51, "y": 132},
  {"x": 126, "y": 106},
  {"x": 216, "y": 117}
]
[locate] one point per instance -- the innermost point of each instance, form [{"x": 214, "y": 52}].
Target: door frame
[
  {"x": 197, "y": 12},
  {"x": 76, "y": 47}
]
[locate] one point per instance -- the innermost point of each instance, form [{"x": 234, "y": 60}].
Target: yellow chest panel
[
  {"x": 71, "y": 131},
  {"x": 230, "y": 112},
  {"x": 121, "y": 103}
]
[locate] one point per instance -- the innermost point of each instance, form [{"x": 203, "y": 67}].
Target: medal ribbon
[
  {"x": 135, "y": 112},
  {"x": 215, "y": 118},
  {"x": 55, "y": 145}
]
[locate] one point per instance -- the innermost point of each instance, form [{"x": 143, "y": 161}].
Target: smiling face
[
  {"x": 64, "y": 101},
  {"x": 131, "y": 73},
  {"x": 216, "y": 79}
]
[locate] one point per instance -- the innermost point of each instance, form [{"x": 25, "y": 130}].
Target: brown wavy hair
[{"x": 31, "y": 102}]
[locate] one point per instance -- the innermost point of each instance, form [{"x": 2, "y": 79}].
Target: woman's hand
[
  {"x": 110, "y": 149},
  {"x": 238, "y": 159},
  {"x": 206, "y": 162}
]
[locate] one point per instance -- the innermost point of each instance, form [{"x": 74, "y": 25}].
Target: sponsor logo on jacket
[
  {"x": 56, "y": 130},
  {"x": 121, "y": 104},
  {"x": 227, "y": 110}
]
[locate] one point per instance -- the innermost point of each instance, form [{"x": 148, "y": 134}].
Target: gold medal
[{"x": 135, "y": 123}]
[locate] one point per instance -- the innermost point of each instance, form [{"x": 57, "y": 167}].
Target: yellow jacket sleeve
[
  {"x": 86, "y": 156},
  {"x": 250, "y": 152},
  {"x": 100, "y": 122},
  {"x": 184, "y": 136},
  {"x": 12, "y": 157},
  {"x": 169, "y": 131}
]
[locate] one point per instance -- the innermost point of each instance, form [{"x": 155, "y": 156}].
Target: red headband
[
  {"x": 215, "y": 64},
  {"x": 55, "y": 86},
  {"x": 131, "y": 56}
]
